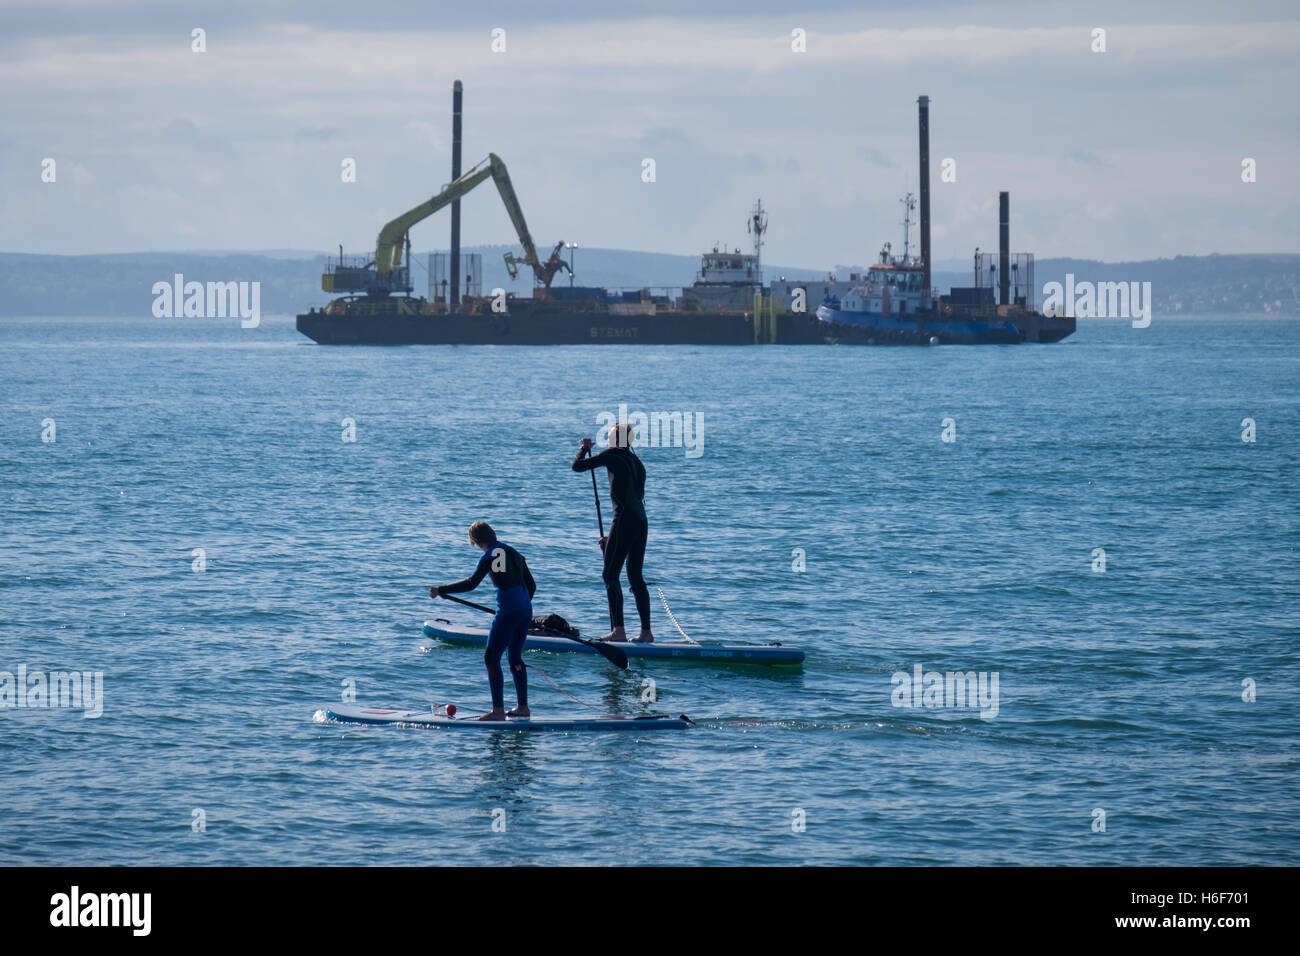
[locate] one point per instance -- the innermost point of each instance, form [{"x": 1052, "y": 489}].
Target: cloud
[
  {"x": 1085, "y": 157},
  {"x": 242, "y": 144},
  {"x": 876, "y": 158},
  {"x": 316, "y": 134}
]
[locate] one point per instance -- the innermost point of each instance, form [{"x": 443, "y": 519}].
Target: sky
[{"x": 1132, "y": 153}]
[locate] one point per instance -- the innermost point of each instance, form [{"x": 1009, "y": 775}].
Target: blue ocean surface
[{"x": 201, "y": 533}]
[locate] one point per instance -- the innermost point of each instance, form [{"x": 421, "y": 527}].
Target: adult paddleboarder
[{"x": 628, "y": 531}]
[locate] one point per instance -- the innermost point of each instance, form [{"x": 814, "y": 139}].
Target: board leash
[
  {"x": 673, "y": 618},
  {"x": 599, "y": 710}
]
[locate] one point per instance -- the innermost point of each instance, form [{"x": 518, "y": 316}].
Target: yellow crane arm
[
  {"x": 388, "y": 250},
  {"x": 516, "y": 214}
]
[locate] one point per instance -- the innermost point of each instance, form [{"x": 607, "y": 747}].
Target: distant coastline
[{"x": 1246, "y": 286}]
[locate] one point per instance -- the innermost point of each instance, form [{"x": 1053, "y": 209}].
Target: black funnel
[
  {"x": 455, "y": 206},
  {"x": 923, "y": 118},
  {"x": 1004, "y": 248}
]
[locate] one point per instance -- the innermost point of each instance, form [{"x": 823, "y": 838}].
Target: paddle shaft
[
  {"x": 452, "y": 597},
  {"x": 615, "y": 655},
  {"x": 600, "y": 521}
]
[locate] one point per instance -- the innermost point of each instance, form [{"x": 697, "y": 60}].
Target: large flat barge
[
  {"x": 728, "y": 304},
  {"x": 528, "y": 323}
]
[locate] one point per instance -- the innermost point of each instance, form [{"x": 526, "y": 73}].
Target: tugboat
[
  {"x": 893, "y": 300},
  {"x": 895, "y": 304}
]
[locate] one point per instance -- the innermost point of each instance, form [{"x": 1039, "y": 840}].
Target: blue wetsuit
[{"x": 515, "y": 590}]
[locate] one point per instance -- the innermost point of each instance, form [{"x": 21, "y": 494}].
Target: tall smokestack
[
  {"x": 923, "y": 119},
  {"x": 1004, "y": 248},
  {"x": 455, "y": 206}
]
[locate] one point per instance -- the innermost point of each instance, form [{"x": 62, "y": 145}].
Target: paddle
[
  {"x": 600, "y": 521},
  {"x": 615, "y": 655}
]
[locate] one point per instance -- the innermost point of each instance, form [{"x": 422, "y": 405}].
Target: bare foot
[
  {"x": 495, "y": 714},
  {"x": 645, "y": 637},
  {"x": 617, "y": 635},
  {"x": 520, "y": 711}
]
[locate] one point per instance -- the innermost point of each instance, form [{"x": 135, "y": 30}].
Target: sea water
[{"x": 235, "y": 528}]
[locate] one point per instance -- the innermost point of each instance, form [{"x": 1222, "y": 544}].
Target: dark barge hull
[
  {"x": 535, "y": 327},
  {"x": 548, "y": 325}
]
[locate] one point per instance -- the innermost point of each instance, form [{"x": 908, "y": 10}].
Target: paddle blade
[{"x": 615, "y": 655}]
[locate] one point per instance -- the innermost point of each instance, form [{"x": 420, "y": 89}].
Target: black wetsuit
[
  {"x": 515, "y": 590},
  {"x": 627, "y": 532}
]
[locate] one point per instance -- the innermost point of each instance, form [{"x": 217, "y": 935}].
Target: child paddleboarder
[{"x": 515, "y": 590}]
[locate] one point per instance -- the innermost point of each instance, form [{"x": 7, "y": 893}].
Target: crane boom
[{"x": 388, "y": 249}]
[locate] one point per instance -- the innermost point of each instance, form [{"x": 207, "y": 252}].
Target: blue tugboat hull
[{"x": 922, "y": 328}]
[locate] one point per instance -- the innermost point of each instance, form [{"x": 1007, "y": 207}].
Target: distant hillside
[
  {"x": 120, "y": 285},
  {"x": 1195, "y": 285}
]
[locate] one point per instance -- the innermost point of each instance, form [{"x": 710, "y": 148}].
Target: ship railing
[
  {"x": 647, "y": 293},
  {"x": 348, "y": 262}
]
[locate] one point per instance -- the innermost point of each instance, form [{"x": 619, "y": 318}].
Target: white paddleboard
[{"x": 363, "y": 714}]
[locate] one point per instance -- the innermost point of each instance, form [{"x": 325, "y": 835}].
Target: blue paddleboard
[{"x": 659, "y": 650}]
